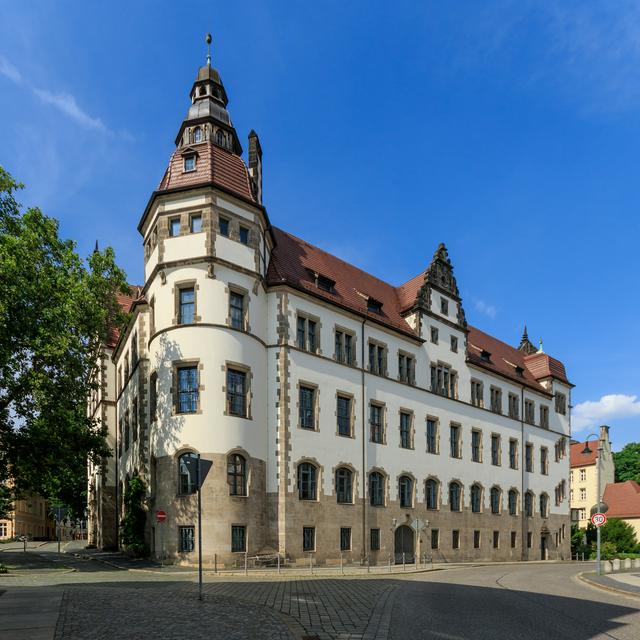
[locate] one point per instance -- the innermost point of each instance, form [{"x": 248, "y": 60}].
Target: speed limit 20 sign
[{"x": 598, "y": 519}]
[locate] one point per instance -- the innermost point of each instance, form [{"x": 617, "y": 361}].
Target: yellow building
[
  {"x": 29, "y": 517},
  {"x": 583, "y": 476}
]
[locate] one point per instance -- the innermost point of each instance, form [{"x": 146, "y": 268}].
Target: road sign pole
[
  {"x": 199, "y": 533},
  {"x": 161, "y": 545}
]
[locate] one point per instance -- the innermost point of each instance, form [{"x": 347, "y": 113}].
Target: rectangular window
[
  {"x": 174, "y": 227},
  {"x": 375, "y": 419},
  {"x": 495, "y": 450},
  {"x": 528, "y": 457},
  {"x": 134, "y": 420},
  {"x": 432, "y": 435},
  {"x": 561, "y": 403},
  {"x": 244, "y": 235},
  {"x": 344, "y": 347},
  {"x": 236, "y": 310},
  {"x": 583, "y": 475},
  {"x": 476, "y": 539},
  {"x": 405, "y": 430},
  {"x": 374, "y": 541},
  {"x": 406, "y": 368},
  {"x": 187, "y": 542},
  {"x": 377, "y": 358},
  {"x": 583, "y": 493},
  {"x": 477, "y": 393},
  {"x": 153, "y": 396},
  {"x": 454, "y": 344},
  {"x": 434, "y": 335},
  {"x": 529, "y": 412},
  {"x": 236, "y": 393},
  {"x": 308, "y": 538},
  {"x": 455, "y": 539},
  {"x": 444, "y": 306},
  {"x": 454, "y": 441},
  {"x": 435, "y": 538},
  {"x": 496, "y": 539},
  {"x": 544, "y": 461},
  {"x": 476, "y": 446},
  {"x": 443, "y": 380},
  {"x": 190, "y": 163},
  {"x": 306, "y": 334},
  {"x": 496, "y": 400},
  {"x": 238, "y": 538},
  {"x": 187, "y": 306},
  {"x": 187, "y": 389},
  {"x": 224, "y": 226},
  {"x": 345, "y": 538},
  {"x": 514, "y": 406},
  {"x": 513, "y": 539},
  {"x": 544, "y": 416},
  {"x": 343, "y": 411},
  {"x": 307, "y": 407},
  {"x": 513, "y": 454},
  {"x": 195, "y": 223},
  {"x": 529, "y": 539}
]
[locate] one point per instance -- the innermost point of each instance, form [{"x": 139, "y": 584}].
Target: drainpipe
[
  {"x": 522, "y": 472},
  {"x": 117, "y": 518},
  {"x": 364, "y": 445}
]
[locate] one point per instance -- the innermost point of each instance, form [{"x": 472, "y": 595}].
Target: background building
[
  {"x": 30, "y": 517},
  {"x": 623, "y": 499},
  {"x": 343, "y": 416}
]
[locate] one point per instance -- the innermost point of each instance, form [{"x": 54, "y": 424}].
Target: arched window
[
  {"x": 344, "y": 485},
  {"x": 431, "y": 489},
  {"x": 528, "y": 504},
  {"x": 376, "y": 489},
  {"x": 455, "y": 493},
  {"x": 405, "y": 488},
  {"x": 197, "y": 134},
  {"x": 476, "y": 498},
  {"x": 220, "y": 138},
  {"x": 187, "y": 473},
  {"x": 237, "y": 475},
  {"x": 307, "y": 482},
  {"x": 496, "y": 499},
  {"x": 513, "y": 502},
  {"x": 544, "y": 505}
]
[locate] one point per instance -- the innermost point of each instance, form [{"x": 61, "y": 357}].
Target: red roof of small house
[
  {"x": 126, "y": 302},
  {"x": 579, "y": 459},
  {"x": 623, "y": 499},
  {"x": 214, "y": 165}
]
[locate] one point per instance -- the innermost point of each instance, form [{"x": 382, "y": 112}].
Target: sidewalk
[
  {"x": 627, "y": 583},
  {"x": 29, "y": 613}
]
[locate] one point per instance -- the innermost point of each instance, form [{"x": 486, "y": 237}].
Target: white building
[{"x": 340, "y": 412}]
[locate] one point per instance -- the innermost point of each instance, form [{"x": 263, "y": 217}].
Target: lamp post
[{"x": 599, "y": 505}]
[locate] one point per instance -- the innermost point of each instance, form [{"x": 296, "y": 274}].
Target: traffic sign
[
  {"x": 598, "y": 519},
  {"x": 418, "y": 525},
  {"x": 161, "y": 516}
]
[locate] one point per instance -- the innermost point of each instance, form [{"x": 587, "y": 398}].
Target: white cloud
[
  {"x": 591, "y": 414},
  {"x": 485, "y": 309},
  {"x": 68, "y": 105},
  {"x": 9, "y": 71}
]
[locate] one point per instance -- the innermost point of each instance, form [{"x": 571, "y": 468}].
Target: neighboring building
[
  {"x": 623, "y": 499},
  {"x": 583, "y": 477},
  {"x": 337, "y": 409},
  {"x": 30, "y": 517}
]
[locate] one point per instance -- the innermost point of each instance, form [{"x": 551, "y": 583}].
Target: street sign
[
  {"x": 418, "y": 525},
  {"x": 161, "y": 516},
  {"x": 598, "y": 519}
]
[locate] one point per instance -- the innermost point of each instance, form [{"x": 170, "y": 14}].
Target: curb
[{"x": 593, "y": 583}]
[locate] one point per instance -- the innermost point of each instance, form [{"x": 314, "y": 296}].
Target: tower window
[
  {"x": 190, "y": 163},
  {"x": 220, "y": 139},
  {"x": 224, "y": 227},
  {"x": 244, "y": 235},
  {"x": 197, "y": 134}
]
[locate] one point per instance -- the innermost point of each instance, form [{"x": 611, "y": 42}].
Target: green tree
[
  {"x": 135, "y": 518},
  {"x": 620, "y": 534},
  {"x": 55, "y": 311},
  {"x": 627, "y": 462}
]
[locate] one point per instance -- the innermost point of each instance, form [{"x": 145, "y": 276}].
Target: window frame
[{"x": 307, "y": 486}]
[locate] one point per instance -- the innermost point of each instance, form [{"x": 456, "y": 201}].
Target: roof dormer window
[
  {"x": 485, "y": 356},
  {"x": 190, "y": 163},
  {"x": 520, "y": 372},
  {"x": 322, "y": 282},
  {"x": 374, "y": 305}
]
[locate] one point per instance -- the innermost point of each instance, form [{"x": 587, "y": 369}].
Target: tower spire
[
  {"x": 208, "y": 41},
  {"x": 525, "y": 344}
]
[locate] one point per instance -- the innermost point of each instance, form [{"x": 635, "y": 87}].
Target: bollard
[
  {"x": 215, "y": 563},
  {"x": 368, "y": 564},
  {"x": 341, "y": 565},
  {"x": 389, "y": 563},
  {"x": 310, "y": 564},
  {"x": 278, "y": 563},
  {"x": 404, "y": 567},
  {"x": 245, "y": 563}
]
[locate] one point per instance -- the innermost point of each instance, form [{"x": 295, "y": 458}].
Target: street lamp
[{"x": 599, "y": 507}]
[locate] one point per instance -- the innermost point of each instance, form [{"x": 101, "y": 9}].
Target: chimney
[
  {"x": 604, "y": 433},
  {"x": 255, "y": 165}
]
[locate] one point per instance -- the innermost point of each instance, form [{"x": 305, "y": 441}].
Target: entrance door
[
  {"x": 404, "y": 543},
  {"x": 543, "y": 547}
]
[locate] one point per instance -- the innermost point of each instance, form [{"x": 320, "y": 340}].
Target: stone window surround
[
  {"x": 352, "y": 417},
  {"x": 462, "y": 496},
  {"x": 237, "y": 366},
  {"x": 175, "y": 290},
  {"x": 411, "y": 361},
  {"x": 246, "y": 536},
  {"x": 235, "y": 222},
  {"x": 354, "y": 482},
  {"x": 179, "y": 364},
  {"x": 499, "y": 436},
  {"x": 478, "y": 484},
  {"x": 453, "y": 423},
  {"x": 316, "y": 404},
  {"x": 319, "y": 477},
  {"x": 354, "y": 345},
  {"x": 496, "y": 392},
  {"x": 383, "y": 417},
  {"x": 237, "y": 289},
  {"x": 308, "y": 316},
  {"x": 517, "y": 453},
  {"x": 500, "y": 500},
  {"x": 481, "y": 446},
  {"x": 385, "y": 357},
  {"x": 544, "y": 457},
  {"x": 438, "y": 492},
  {"x": 182, "y": 450},
  {"x": 194, "y": 214},
  {"x": 385, "y": 491},
  {"x": 414, "y": 488},
  {"x": 518, "y": 508},
  {"x": 528, "y": 446},
  {"x": 480, "y": 396},
  {"x": 412, "y": 429},
  {"x": 248, "y": 470},
  {"x": 533, "y": 503},
  {"x": 437, "y": 423}
]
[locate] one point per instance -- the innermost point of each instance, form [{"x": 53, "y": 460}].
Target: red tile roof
[
  {"x": 579, "y": 459},
  {"x": 294, "y": 262},
  {"x": 214, "y": 165},
  {"x": 126, "y": 302},
  {"x": 623, "y": 499}
]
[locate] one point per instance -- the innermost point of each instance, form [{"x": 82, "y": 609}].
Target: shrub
[
  {"x": 621, "y": 535},
  {"x": 133, "y": 524},
  {"x": 3, "y": 568}
]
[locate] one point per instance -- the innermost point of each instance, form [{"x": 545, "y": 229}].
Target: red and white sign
[
  {"x": 161, "y": 516},
  {"x": 598, "y": 519}
]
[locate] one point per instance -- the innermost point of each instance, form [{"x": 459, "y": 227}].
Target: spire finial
[
  {"x": 96, "y": 249},
  {"x": 540, "y": 349},
  {"x": 208, "y": 41}
]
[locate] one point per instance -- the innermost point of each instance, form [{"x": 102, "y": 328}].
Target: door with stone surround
[{"x": 405, "y": 543}]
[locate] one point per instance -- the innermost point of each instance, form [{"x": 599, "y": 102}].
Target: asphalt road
[{"x": 512, "y": 602}]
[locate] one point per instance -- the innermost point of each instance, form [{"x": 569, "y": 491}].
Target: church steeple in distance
[{"x": 525, "y": 344}]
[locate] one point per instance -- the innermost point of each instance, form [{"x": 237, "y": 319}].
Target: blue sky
[{"x": 507, "y": 129}]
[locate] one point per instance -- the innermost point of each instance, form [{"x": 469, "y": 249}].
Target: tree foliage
[
  {"x": 135, "y": 518},
  {"x": 627, "y": 462},
  {"x": 55, "y": 311},
  {"x": 619, "y": 534}
]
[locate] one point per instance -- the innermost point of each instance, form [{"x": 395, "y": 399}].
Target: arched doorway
[
  {"x": 544, "y": 546},
  {"x": 405, "y": 543}
]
